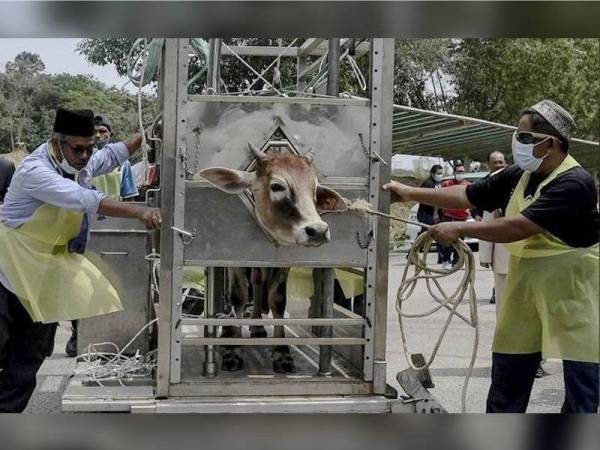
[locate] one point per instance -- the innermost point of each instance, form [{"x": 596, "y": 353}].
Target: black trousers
[
  {"x": 24, "y": 345},
  {"x": 513, "y": 377}
]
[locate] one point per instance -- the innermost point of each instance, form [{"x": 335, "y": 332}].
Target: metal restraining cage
[
  {"x": 339, "y": 353},
  {"x": 351, "y": 139}
]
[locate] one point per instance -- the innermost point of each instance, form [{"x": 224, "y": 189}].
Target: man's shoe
[
  {"x": 541, "y": 372},
  {"x": 493, "y": 299},
  {"x": 71, "y": 348}
]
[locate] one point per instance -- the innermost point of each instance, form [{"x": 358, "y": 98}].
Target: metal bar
[
  {"x": 214, "y": 53},
  {"x": 326, "y": 313},
  {"x": 279, "y": 100},
  {"x": 382, "y": 76},
  {"x": 260, "y": 50},
  {"x": 309, "y": 46},
  {"x": 311, "y": 68},
  {"x": 170, "y": 277},
  {"x": 209, "y": 366},
  {"x": 333, "y": 67},
  {"x": 268, "y": 322},
  {"x": 261, "y": 263},
  {"x": 188, "y": 340}
]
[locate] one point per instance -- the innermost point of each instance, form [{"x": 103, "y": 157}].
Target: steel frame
[{"x": 174, "y": 97}]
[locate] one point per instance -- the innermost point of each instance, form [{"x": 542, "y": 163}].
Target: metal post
[
  {"x": 174, "y": 88},
  {"x": 381, "y": 81},
  {"x": 333, "y": 67},
  {"x": 326, "y": 293},
  {"x": 209, "y": 367},
  {"x": 214, "y": 73}
]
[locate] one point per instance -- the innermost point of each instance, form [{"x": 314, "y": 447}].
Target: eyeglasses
[
  {"x": 80, "y": 149},
  {"x": 529, "y": 137}
]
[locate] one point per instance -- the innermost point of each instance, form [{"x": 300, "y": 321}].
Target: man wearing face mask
[
  {"x": 428, "y": 214},
  {"x": 44, "y": 277},
  {"x": 550, "y": 303},
  {"x": 448, "y": 254}
]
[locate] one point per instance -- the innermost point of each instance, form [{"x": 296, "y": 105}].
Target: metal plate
[
  {"x": 228, "y": 235},
  {"x": 218, "y": 132},
  {"x": 120, "y": 255}
]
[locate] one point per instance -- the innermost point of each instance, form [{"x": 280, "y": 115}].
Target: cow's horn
[
  {"x": 310, "y": 155},
  {"x": 260, "y": 156}
]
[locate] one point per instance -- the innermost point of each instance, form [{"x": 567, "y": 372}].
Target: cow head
[{"x": 287, "y": 196}]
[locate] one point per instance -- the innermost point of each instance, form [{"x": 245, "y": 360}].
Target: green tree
[{"x": 495, "y": 79}]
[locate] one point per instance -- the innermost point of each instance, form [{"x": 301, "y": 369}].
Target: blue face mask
[{"x": 523, "y": 155}]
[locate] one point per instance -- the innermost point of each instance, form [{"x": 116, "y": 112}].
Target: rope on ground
[
  {"x": 116, "y": 365},
  {"x": 417, "y": 269}
]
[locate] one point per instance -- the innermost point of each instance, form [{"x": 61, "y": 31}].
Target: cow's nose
[{"x": 317, "y": 233}]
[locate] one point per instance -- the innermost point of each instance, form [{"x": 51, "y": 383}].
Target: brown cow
[{"x": 288, "y": 199}]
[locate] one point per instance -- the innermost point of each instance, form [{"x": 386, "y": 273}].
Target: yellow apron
[
  {"x": 52, "y": 283},
  {"x": 109, "y": 183},
  {"x": 193, "y": 278},
  {"x": 550, "y": 303},
  {"x": 300, "y": 283}
]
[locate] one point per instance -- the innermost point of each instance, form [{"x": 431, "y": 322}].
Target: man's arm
[
  {"x": 113, "y": 208},
  {"x": 452, "y": 197},
  {"x": 134, "y": 143},
  {"x": 502, "y": 230}
]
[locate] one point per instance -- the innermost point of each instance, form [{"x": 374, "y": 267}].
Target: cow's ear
[
  {"x": 329, "y": 200},
  {"x": 229, "y": 180}
]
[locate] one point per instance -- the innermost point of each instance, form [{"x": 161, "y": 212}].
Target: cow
[{"x": 288, "y": 200}]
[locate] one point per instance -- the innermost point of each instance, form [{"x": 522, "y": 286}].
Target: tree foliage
[
  {"x": 29, "y": 99},
  {"x": 495, "y": 79}
]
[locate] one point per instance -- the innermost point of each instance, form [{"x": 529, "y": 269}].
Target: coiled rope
[{"x": 416, "y": 269}]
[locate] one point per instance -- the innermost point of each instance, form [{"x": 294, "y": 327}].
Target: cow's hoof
[
  {"x": 282, "y": 360},
  {"x": 258, "y": 332},
  {"x": 232, "y": 360}
]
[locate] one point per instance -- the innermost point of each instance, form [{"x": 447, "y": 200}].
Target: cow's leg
[
  {"x": 258, "y": 290},
  {"x": 238, "y": 293},
  {"x": 282, "y": 359}
]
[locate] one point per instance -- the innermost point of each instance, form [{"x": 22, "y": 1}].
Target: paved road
[{"x": 447, "y": 370}]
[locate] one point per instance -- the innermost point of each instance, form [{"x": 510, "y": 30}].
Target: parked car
[{"x": 412, "y": 231}]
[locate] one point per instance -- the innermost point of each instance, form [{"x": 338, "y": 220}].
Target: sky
[{"x": 59, "y": 56}]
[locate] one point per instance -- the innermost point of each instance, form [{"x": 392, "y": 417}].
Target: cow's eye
[{"x": 276, "y": 187}]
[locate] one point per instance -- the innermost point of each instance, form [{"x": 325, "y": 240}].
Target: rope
[{"x": 417, "y": 269}]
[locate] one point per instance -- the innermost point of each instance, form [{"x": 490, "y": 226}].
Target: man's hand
[
  {"x": 150, "y": 217},
  {"x": 398, "y": 192},
  {"x": 446, "y": 233}
]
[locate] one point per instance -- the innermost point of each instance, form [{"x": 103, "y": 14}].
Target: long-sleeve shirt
[{"x": 40, "y": 180}]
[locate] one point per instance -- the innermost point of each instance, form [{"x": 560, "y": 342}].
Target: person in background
[
  {"x": 7, "y": 169},
  {"x": 429, "y": 214},
  {"x": 449, "y": 255}
]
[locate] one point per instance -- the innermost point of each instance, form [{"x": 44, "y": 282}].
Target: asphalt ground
[{"x": 447, "y": 370}]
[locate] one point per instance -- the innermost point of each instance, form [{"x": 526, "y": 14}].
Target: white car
[{"x": 412, "y": 231}]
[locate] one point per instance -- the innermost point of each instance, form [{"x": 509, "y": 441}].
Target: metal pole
[
  {"x": 209, "y": 367},
  {"x": 333, "y": 67},
  {"x": 214, "y": 74},
  {"x": 326, "y": 293}
]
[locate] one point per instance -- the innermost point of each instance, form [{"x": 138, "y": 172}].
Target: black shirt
[
  {"x": 7, "y": 169},
  {"x": 566, "y": 208},
  {"x": 423, "y": 208}
]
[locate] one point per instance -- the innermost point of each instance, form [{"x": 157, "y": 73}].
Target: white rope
[
  {"x": 421, "y": 271},
  {"x": 115, "y": 365}
]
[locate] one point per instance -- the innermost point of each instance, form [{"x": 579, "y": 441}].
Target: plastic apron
[
  {"x": 550, "y": 303},
  {"x": 300, "y": 282},
  {"x": 52, "y": 283},
  {"x": 109, "y": 183}
]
